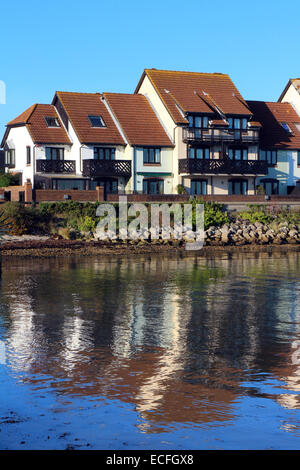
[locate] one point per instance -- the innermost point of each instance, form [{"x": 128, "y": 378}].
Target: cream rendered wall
[
  {"x": 218, "y": 185},
  {"x": 292, "y": 96},
  {"x": 19, "y": 138},
  {"x": 174, "y": 132}
]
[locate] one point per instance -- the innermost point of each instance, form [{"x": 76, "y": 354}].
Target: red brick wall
[
  {"x": 53, "y": 195},
  {"x": 149, "y": 197}
]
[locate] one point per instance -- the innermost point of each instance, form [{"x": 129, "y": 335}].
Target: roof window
[
  {"x": 286, "y": 127},
  {"x": 96, "y": 121},
  {"x": 52, "y": 121}
]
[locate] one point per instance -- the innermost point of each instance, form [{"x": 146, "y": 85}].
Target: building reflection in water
[{"x": 176, "y": 338}]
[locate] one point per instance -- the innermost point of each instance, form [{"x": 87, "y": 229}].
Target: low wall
[
  {"x": 149, "y": 197},
  {"x": 54, "y": 195}
]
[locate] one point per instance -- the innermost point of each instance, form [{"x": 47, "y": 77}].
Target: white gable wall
[{"x": 19, "y": 138}]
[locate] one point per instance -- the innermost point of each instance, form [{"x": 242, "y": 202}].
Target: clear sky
[{"x": 96, "y": 45}]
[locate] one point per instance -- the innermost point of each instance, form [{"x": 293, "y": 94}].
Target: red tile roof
[
  {"x": 196, "y": 93},
  {"x": 34, "y": 120},
  {"x": 137, "y": 119},
  {"x": 78, "y": 107},
  {"x": 270, "y": 115}
]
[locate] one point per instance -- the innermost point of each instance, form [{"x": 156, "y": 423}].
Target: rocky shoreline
[
  {"x": 238, "y": 236},
  {"x": 243, "y": 232}
]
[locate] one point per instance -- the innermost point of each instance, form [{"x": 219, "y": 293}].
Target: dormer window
[
  {"x": 52, "y": 122},
  {"x": 286, "y": 127},
  {"x": 96, "y": 121},
  {"x": 237, "y": 123},
  {"x": 200, "y": 122}
]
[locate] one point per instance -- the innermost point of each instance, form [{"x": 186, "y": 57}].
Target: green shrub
[
  {"x": 214, "y": 214},
  {"x": 257, "y": 213},
  {"x": 260, "y": 190},
  {"x": 181, "y": 189},
  {"x": 25, "y": 219},
  {"x": 7, "y": 179}
]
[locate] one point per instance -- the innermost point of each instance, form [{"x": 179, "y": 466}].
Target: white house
[{"x": 36, "y": 134}]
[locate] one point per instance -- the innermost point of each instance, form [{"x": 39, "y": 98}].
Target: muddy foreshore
[{"x": 60, "y": 247}]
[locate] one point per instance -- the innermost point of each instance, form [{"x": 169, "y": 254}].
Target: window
[
  {"x": 104, "y": 153},
  {"x": 110, "y": 185},
  {"x": 198, "y": 121},
  {"x": 199, "y": 187},
  {"x": 153, "y": 186},
  {"x": 69, "y": 184},
  {"x": 199, "y": 152},
  {"x": 96, "y": 121},
  {"x": 151, "y": 155},
  {"x": 238, "y": 186},
  {"x": 52, "y": 122},
  {"x": 28, "y": 155},
  {"x": 238, "y": 153},
  {"x": 270, "y": 186},
  {"x": 286, "y": 127},
  {"x": 237, "y": 123},
  {"x": 55, "y": 153},
  {"x": 9, "y": 158},
  {"x": 268, "y": 155},
  {"x": 298, "y": 157}
]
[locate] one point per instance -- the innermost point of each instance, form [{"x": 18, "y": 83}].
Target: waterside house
[{"x": 178, "y": 132}]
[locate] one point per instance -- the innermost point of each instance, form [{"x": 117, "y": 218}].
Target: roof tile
[
  {"x": 34, "y": 119},
  {"x": 270, "y": 115},
  {"x": 78, "y": 107},
  {"x": 196, "y": 93},
  {"x": 138, "y": 120}
]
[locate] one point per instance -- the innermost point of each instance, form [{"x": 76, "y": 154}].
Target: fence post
[
  {"x": 28, "y": 191},
  {"x": 100, "y": 193}
]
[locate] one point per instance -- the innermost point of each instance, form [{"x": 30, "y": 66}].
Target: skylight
[
  {"x": 52, "y": 121},
  {"x": 96, "y": 121},
  {"x": 286, "y": 127}
]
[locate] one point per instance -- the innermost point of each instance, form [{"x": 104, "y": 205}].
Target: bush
[
  {"x": 181, "y": 189},
  {"x": 7, "y": 179},
  {"x": 24, "y": 219},
  {"x": 214, "y": 214},
  {"x": 257, "y": 213}
]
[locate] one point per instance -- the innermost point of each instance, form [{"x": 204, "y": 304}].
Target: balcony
[
  {"x": 223, "y": 166},
  {"x": 56, "y": 166},
  {"x": 94, "y": 168},
  {"x": 193, "y": 134}
]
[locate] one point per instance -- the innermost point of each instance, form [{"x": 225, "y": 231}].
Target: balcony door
[
  {"x": 238, "y": 186},
  {"x": 238, "y": 153},
  {"x": 54, "y": 153},
  {"x": 200, "y": 153},
  {"x": 110, "y": 185},
  {"x": 199, "y": 187}
]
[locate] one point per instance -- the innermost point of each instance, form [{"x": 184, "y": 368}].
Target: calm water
[{"x": 150, "y": 353}]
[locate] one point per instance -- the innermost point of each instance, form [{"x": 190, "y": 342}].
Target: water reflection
[{"x": 183, "y": 340}]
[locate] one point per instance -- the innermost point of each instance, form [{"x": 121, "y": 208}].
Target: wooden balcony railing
[
  {"x": 94, "y": 168},
  {"x": 193, "y": 134},
  {"x": 223, "y": 166},
  {"x": 56, "y": 166}
]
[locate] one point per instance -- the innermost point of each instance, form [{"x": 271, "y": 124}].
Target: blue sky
[{"x": 94, "y": 45}]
